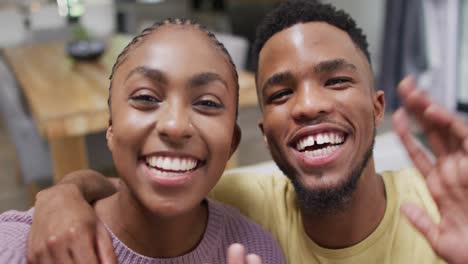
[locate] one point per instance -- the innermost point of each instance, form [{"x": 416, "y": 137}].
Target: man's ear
[
  {"x": 379, "y": 106},
  {"x": 265, "y": 139},
  {"x": 110, "y": 138},
  {"x": 236, "y": 138}
]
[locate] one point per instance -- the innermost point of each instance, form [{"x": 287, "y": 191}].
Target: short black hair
[{"x": 292, "y": 12}]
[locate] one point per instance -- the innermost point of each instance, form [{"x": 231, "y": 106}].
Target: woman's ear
[
  {"x": 110, "y": 138},
  {"x": 236, "y": 138}
]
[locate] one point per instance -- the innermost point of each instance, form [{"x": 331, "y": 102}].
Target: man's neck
[
  {"x": 359, "y": 219},
  {"x": 149, "y": 234}
]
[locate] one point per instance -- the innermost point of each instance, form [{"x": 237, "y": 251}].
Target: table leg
[{"x": 68, "y": 154}]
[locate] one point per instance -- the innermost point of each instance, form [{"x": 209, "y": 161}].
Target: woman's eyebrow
[
  {"x": 206, "y": 78},
  {"x": 151, "y": 73}
]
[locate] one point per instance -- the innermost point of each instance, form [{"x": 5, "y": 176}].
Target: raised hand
[
  {"x": 446, "y": 177},
  {"x": 236, "y": 254}
]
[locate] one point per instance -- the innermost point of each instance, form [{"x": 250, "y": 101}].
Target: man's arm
[
  {"x": 446, "y": 178},
  {"x": 65, "y": 226}
]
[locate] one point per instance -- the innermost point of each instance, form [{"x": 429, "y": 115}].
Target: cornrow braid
[{"x": 172, "y": 21}]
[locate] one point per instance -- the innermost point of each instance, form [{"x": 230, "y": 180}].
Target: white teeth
[
  {"x": 322, "y": 151},
  {"x": 171, "y": 164},
  {"x": 166, "y": 164},
  {"x": 321, "y": 138},
  {"x": 184, "y": 165}
]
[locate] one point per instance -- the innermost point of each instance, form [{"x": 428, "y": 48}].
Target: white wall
[{"x": 370, "y": 16}]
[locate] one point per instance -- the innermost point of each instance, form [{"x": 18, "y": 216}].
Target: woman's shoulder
[
  {"x": 14, "y": 230},
  {"x": 239, "y": 229}
]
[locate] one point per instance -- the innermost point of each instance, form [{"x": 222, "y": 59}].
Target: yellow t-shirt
[{"x": 270, "y": 201}]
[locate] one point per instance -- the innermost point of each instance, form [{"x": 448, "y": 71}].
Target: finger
[
  {"x": 43, "y": 257},
  {"x": 433, "y": 118},
  {"x": 422, "y": 222},
  {"x": 439, "y": 116},
  {"x": 253, "y": 259},
  {"x": 449, "y": 173},
  {"x": 413, "y": 147},
  {"x": 104, "y": 246},
  {"x": 83, "y": 250},
  {"x": 405, "y": 86},
  {"x": 236, "y": 254},
  {"x": 415, "y": 100},
  {"x": 59, "y": 252},
  {"x": 463, "y": 169}
]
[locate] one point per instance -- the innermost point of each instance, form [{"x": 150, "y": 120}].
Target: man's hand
[
  {"x": 66, "y": 229},
  {"x": 446, "y": 177},
  {"x": 236, "y": 255}
]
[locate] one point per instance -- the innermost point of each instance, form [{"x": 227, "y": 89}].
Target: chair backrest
[
  {"x": 32, "y": 152},
  {"x": 12, "y": 29}
]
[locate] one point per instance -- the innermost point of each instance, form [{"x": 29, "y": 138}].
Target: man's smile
[{"x": 319, "y": 145}]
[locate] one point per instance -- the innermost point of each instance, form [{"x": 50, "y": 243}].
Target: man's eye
[
  {"x": 209, "y": 104},
  {"x": 278, "y": 96},
  {"x": 337, "y": 81}
]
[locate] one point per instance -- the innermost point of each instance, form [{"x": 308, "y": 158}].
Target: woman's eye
[
  {"x": 209, "y": 104},
  {"x": 144, "y": 101},
  {"x": 278, "y": 96},
  {"x": 144, "y": 98},
  {"x": 337, "y": 81}
]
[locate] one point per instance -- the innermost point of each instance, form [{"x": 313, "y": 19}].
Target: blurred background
[{"x": 53, "y": 105}]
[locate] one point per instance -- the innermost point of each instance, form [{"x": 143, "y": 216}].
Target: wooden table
[{"x": 68, "y": 99}]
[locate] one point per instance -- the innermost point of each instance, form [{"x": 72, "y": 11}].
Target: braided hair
[{"x": 173, "y": 21}]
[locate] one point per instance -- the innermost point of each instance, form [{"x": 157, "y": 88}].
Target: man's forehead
[
  {"x": 310, "y": 34},
  {"x": 307, "y": 44}
]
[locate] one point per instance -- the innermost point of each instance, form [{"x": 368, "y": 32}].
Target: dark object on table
[{"x": 86, "y": 49}]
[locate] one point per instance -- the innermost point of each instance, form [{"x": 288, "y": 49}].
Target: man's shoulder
[
  {"x": 253, "y": 193},
  {"x": 410, "y": 186},
  {"x": 245, "y": 180},
  {"x": 406, "y": 180}
]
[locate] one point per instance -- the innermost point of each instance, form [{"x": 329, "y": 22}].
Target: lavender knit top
[{"x": 225, "y": 226}]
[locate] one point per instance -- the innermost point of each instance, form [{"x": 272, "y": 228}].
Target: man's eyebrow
[
  {"x": 153, "y": 74},
  {"x": 278, "y": 78},
  {"x": 206, "y": 78},
  {"x": 333, "y": 65}
]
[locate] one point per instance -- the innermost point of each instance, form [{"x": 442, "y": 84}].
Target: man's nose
[{"x": 310, "y": 102}]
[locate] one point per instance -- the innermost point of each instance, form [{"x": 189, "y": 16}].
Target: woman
[{"x": 173, "y": 106}]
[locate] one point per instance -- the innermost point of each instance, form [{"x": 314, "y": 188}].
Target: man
[{"x": 320, "y": 111}]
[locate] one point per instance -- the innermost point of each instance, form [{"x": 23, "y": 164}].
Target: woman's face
[{"x": 173, "y": 105}]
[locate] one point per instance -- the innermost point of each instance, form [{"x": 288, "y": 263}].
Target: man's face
[{"x": 319, "y": 107}]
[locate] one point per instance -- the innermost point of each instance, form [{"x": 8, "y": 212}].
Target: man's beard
[{"x": 328, "y": 201}]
